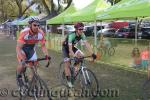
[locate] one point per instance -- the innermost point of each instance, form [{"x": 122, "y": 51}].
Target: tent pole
[
  {"x": 63, "y": 30},
  {"x": 46, "y": 27},
  {"x": 136, "y": 34},
  {"x": 95, "y": 35}
]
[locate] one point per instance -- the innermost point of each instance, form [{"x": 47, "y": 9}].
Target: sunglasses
[
  {"x": 35, "y": 25},
  {"x": 80, "y": 29}
]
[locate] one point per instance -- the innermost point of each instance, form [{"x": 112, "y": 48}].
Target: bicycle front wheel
[
  {"x": 62, "y": 76},
  {"x": 23, "y": 89},
  {"x": 39, "y": 89},
  {"x": 88, "y": 80}
]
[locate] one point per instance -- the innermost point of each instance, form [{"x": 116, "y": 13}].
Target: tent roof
[
  {"x": 89, "y": 12},
  {"x": 25, "y": 21},
  {"x": 14, "y": 22},
  {"x": 126, "y": 9},
  {"x": 59, "y": 19}
]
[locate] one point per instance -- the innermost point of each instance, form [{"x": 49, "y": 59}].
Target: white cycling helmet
[{"x": 33, "y": 19}]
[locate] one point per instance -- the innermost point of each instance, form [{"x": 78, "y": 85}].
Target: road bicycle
[
  {"x": 110, "y": 51},
  {"x": 83, "y": 79},
  {"x": 33, "y": 87}
]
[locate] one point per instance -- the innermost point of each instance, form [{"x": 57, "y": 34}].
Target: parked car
[
  {"x": 89, "y": 30},
  {"x": 118, "y": 25},
  {"x": 125, "y": 32},
  {"x": 145, "y": 33},
  {"x": 107, "y": 32},
  {"x": 67, "y": 29}
]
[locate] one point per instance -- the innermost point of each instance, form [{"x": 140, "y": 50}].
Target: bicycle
[
  {"x": 87, "y": 79},
  {"x": 106, "y": 51},
  {"x": 33, "y": 87}
]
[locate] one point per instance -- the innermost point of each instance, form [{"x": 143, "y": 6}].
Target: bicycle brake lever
[{"x": 48, "y": 64}]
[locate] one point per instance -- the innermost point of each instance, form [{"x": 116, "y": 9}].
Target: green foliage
[{"x": 8, "y": 9}]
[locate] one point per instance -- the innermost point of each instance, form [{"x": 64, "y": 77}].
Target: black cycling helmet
[
  {"x": 78, "y": 25},
  {"x": 33, "y": 19}
]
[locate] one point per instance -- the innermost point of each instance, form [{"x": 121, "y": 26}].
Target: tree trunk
[
  {"x": 46, "y": 7},
  {"x": 21, "y": 11},
  {"x": 2, "y": 9}
]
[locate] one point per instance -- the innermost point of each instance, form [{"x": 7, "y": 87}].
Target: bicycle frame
[
  {"x": 83, "y": 71},
  {"x": 31, "y": 85}
]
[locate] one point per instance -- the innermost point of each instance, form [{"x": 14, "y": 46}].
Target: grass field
[
  {"x": 123, "y": 49},
  {"x": 127, "y": 83}
]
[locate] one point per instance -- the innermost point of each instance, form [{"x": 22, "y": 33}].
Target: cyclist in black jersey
[{"x": 69, "y": 49}]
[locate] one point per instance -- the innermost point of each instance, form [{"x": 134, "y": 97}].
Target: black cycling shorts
[{"x": 65, "y": 51}]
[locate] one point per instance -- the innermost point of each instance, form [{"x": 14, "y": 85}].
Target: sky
[{"x": 81, "y": 3}]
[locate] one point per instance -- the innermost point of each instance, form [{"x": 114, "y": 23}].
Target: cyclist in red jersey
[{"x": 26, "y": 44}]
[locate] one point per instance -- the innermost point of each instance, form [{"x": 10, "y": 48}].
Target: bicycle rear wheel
[
  {"x": 88, "y": 81},
  {"x": 146, "y": 90},
  {"x": 111, "y": 51}
]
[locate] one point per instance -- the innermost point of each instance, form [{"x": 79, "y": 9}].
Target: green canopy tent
[
  {"x": 24, "y": 22},
  {"x": 127, "y": 9},
  {"x": 60, "y": 18},
  {"x": 88, "y": 13}
]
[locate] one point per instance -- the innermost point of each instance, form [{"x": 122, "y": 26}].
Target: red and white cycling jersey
[
  {"x": 30, "y": 40},
  {"x": 27, "y": 37}
]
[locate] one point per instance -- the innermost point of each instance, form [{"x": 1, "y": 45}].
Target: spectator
[
  {"x": 136, "y": 58},
  {"x": 144, "y": 57}
]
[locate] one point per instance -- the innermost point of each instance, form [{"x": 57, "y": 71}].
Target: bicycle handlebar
[
  {"x": 40, "y": 59},
  {"x": 80, "y": 58}
]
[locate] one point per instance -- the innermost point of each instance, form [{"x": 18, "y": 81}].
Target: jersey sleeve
[
  {"x": 83, "y": 37},
  {"x": 21, "y": 37},
  {"x": 43, "y": 40},
  {"x": 70, "y": 38}
]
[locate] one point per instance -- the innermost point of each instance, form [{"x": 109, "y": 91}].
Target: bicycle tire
[
  {"x": 61, "y": 74},
  {"x": 146, "y": 90},
  {"x": 39, "y": 87},
  {"x": 24, "y": 88},
  {"x": 111, "y": 51},
  {"x": 88, "y": 86}
]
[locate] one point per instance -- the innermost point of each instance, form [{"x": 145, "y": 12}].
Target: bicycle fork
[{"x": 85, "y": 75}]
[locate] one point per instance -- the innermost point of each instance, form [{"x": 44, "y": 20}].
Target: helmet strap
[{"x": 31, "y": 30}]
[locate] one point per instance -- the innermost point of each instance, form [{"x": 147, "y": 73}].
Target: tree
[
  {"x": 52, "y": 8},
  {"x": 22, "y": 10},
  {"x": 8, "y": 7},
  {"x": 7, "y": 10}
]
